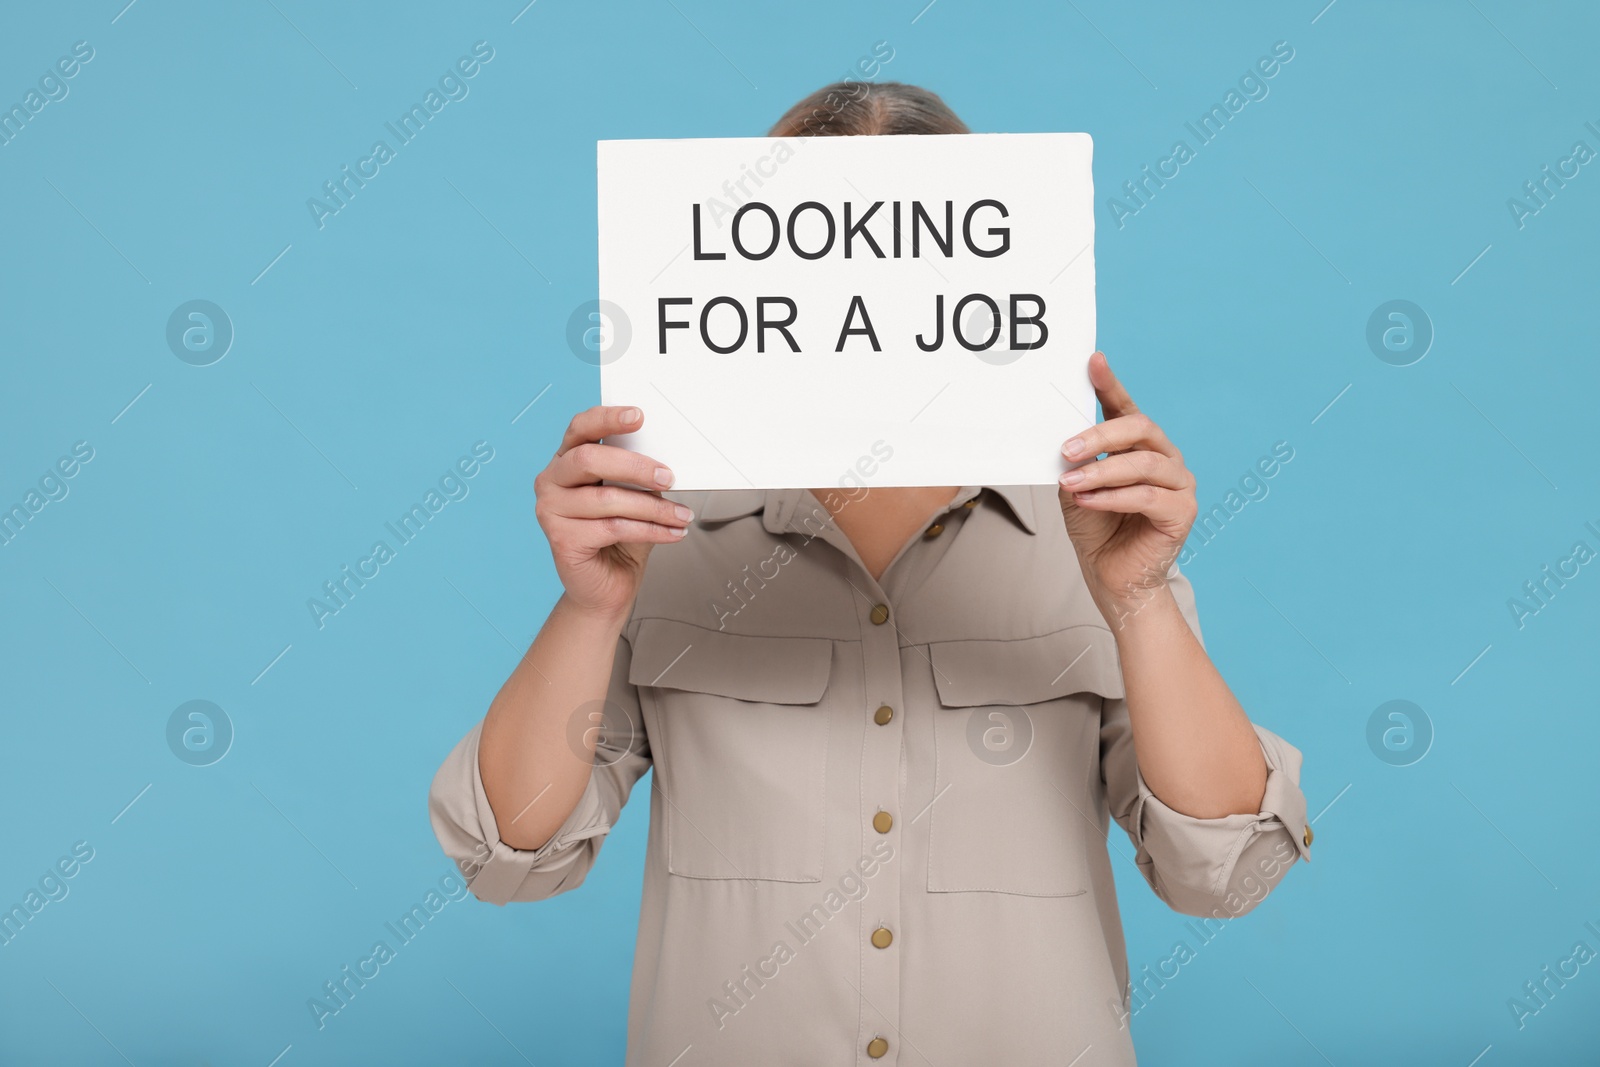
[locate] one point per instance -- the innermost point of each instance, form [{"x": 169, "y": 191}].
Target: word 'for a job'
[{"x": 853, "y": 236}]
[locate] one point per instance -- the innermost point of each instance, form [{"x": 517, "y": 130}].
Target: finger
[
  {"x": 1164, "y": 507},
  {"x": 595, "y": 534},
  {"x": 599, "y": 421},
  {"x": 1114, "y": 398},
  {"x": 1120, "y": 434},
  {"x": 1128, "y": 468},
  {"x": 608, "y": 501},
  {"x": 588, "y": 463}
]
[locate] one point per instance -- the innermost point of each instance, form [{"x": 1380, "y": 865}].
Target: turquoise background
[{"x": 426, "y": 315}]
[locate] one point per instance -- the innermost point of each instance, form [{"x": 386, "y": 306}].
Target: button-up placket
[{"x": 882, "y": 723}]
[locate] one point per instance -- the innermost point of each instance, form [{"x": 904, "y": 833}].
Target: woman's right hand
[{"x": 600, "y": 535}]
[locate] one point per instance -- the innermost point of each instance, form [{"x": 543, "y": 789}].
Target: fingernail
[
  {"x": 663, "y": 477},
  {"x": 683, "y": 513},
  {"x": 630, "y": 414},
  {"x": 1072, "y": 478},
  {"x": 679, "y": 531},
  {"x": 1074, "y": 446}
]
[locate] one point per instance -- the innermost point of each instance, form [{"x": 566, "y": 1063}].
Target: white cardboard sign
[{"x": 800, "y": 312}]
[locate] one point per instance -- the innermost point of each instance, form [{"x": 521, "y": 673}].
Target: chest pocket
[
  {"x": 740, "y": 748},
  {"x": 1018, "y": 795}
]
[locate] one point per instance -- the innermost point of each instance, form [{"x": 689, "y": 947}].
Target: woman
[{"x": 888, "y": 728}]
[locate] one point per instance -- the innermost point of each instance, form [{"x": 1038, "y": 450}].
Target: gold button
[
  {"x": 880, "y": 614},
  {"x": 882, "y": 822},
  {"x": 881, "y": 938},
  {"x": 1309, "y": 836},
  {"x": 883, "y": 715},
  {"x": 971, "y": 503},
  {"x": 877, "y": 1048},
  {"x": 934, "y": 531}
]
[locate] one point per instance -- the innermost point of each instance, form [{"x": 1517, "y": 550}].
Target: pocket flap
[
  {"x": 771, "y": 670},
  {"x": 1029, "y": 670}
]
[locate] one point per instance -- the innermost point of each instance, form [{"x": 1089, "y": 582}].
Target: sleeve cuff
[
  {"x": 494, "y": 871},
  {"x": 1204, "y": 853},
  {"x": 1284, "y": 797}
]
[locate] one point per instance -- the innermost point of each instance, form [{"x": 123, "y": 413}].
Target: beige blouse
[{"x": 879, "y": 810}]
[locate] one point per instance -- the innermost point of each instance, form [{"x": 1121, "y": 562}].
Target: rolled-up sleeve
[
  {"x": 1222, "y": 867},
  {"x": 465, "y": 824}
]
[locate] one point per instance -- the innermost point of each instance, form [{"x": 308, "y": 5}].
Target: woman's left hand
[{"x": 1128, "y": 513}]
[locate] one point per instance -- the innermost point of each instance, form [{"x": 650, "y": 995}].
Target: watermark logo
[
  {"x": 340, "y": 991},
  {"x": 453, "y": 485},
  {"x": 744, "y": 587},
  {"x": 736, "y": 191},
  {"x": 1399, "y": 333},
  {"x": 452, "y": 87},
  {"x": 199, "y": 733},
  {"x": 1538, "y": 992},
  {"x": 199, "y": 333},
  {"x": 1138, "y": 193},
  {"x": 1538, "y": 592},
  {"x": 999, "y": 736},
  {"x": 1252, "y": 488},
  {"x": 52, "y": 88},
  {"x": 1539, "y": 191},
  {"x": 51, "y": 888},
  {"x": 1253, "y": 888},
  {"x": 601, "y": 732},
  {"x": 982, "y": 325},
  {"x": 738, "y": 992},
  {"x": 599, "y": 332},
  {"x": 1399, "y": 733},
  {"x": 52, "y": 487}
]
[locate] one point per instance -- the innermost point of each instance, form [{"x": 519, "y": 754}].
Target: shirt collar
[{"x": 779, "y": 507}]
